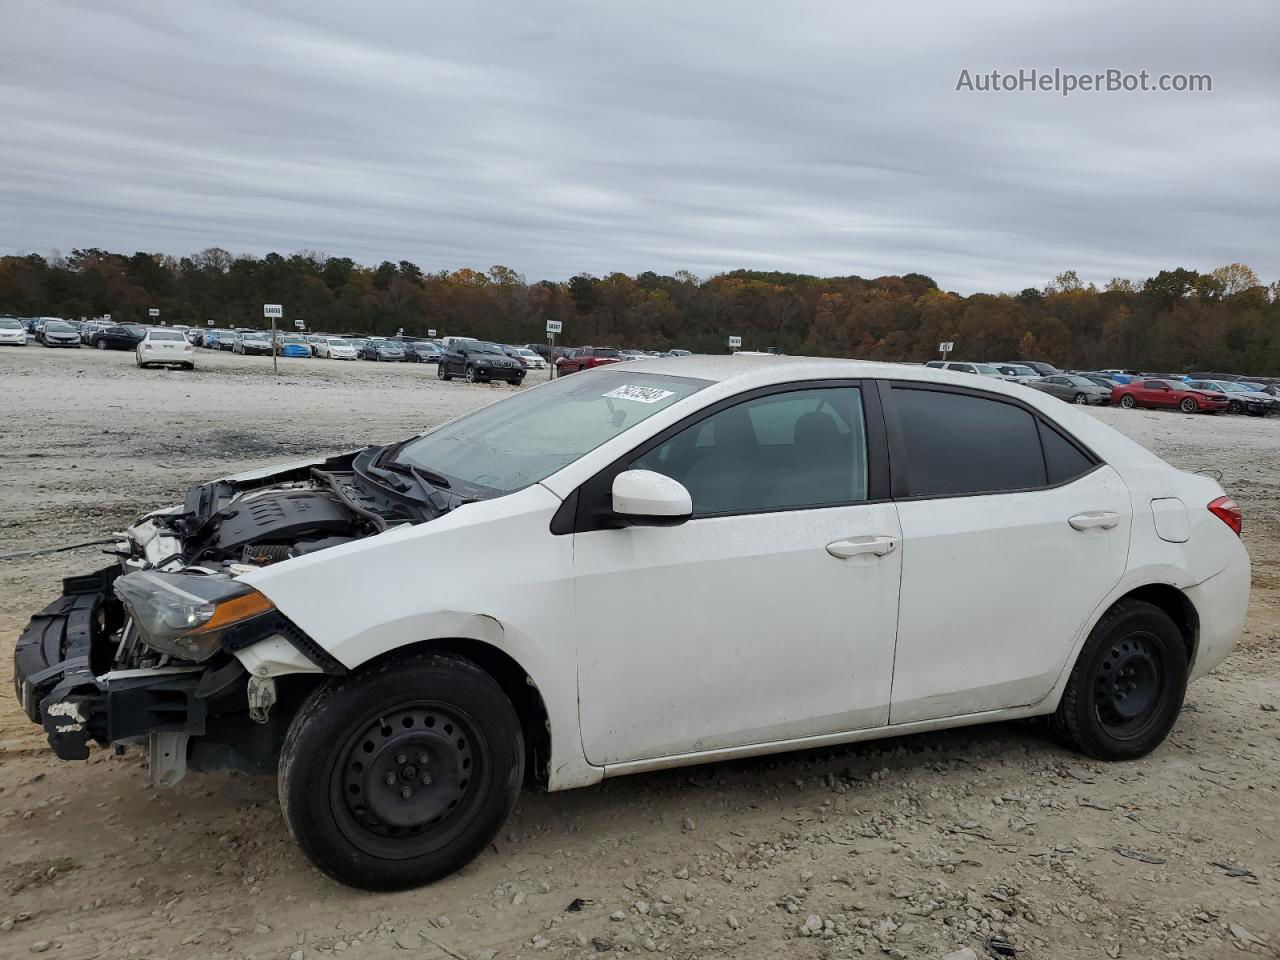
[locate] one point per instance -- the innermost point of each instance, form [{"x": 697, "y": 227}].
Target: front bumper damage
[{"x": 208, "y": 716}]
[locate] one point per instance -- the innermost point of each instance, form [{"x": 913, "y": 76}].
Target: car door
[
  {"x": 1156, "y": 393},
  {"x": 770, "y": 615},
  {"x": 1012, "y": 533}
]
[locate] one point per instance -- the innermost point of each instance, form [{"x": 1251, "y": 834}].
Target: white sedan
[
  {"x": 336, "y": 348},
  {"x": 531, "y": 359},
  {"x": 647, "y": 565},
  {"x": 165, "y": 347},
  {"x": 12, "y": 332}
]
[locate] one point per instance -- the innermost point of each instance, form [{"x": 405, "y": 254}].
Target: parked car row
[
  {"x": 483, "y": 361},
  {"x": 1131, "y": 388}
]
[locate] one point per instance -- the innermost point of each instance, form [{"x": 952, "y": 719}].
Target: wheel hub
[
  {"x": 407, "y": 771},
  {"x": 1128, "y": 682}
]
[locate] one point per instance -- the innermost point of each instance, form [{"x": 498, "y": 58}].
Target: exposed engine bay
[
  {"x": 282, "y": 515},
  {"x": 148, "y": 649}
]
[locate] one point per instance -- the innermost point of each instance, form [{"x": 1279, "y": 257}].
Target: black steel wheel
[
  {"x": 400, "y": 775},
  {"x": 1127, "y": 686}
]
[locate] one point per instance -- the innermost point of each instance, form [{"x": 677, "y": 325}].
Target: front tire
[
  {"x": 471, "y": 375},
  {"x": 402, "y": 774},
  {"x": 1080, "y": 398},
  {"x": 1235, "y": 406},
  {"x": 1188, "y": 405},
  {"x": 1126, "y": 689},
  {"x": 442, "y": 373}
]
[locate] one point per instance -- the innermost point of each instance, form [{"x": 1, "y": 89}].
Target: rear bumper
[{"x": 1221, "y": 604}]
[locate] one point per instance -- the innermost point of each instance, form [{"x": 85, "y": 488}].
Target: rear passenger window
[
  {"x": 957, "y": 444},
  {"x": 1063, "y": 459}
]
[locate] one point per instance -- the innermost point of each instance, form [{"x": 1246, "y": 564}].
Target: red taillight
[{"x": 1228, "y": 511}]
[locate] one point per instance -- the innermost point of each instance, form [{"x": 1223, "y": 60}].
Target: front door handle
[
  {"x": 861, "y": 546},
  {"x": 1103, "y": 519}
]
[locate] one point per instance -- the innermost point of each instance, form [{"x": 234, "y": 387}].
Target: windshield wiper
[{"x": 422, "y": 476}]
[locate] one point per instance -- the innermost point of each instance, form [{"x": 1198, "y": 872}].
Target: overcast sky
[{"x": 560, "y": 137}]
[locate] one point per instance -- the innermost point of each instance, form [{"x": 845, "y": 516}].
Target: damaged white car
[{"x": 651, "y": 564}]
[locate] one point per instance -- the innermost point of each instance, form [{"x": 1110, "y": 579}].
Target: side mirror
[{"x": 646, "y": 498}]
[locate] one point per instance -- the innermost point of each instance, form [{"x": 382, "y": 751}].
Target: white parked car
[
  {"x": 532, "y": 360},
  {"x": 165, "y": 347},
  {"x": 336, "y": 348},
  {"x": 12, "y": 332},
  {"x": 645, "y": 565}
]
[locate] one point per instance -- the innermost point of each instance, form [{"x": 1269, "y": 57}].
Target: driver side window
[{"x": 783, "y": 451}]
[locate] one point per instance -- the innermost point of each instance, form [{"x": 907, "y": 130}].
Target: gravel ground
[{"x": 912, "y": 848}]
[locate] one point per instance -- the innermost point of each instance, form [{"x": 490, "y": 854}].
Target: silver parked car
[{"x": 1072, "y": 388}]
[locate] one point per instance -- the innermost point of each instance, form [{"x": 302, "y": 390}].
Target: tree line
[{"x": 1178, "y": 319}]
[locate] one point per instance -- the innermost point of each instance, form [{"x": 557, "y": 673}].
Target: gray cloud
[{"x": 554, "y": 137}]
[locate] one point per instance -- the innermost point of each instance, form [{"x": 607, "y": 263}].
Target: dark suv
[{"x": 480, "y": 362}]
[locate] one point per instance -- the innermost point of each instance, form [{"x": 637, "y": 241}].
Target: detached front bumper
[{"x": 59, "y": 678}]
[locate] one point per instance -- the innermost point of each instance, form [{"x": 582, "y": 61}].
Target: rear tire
[
  {"x": 1127, "y": 686},
  {"x": 1128, "y": 402},
  {"x": 399, "y": 775}
]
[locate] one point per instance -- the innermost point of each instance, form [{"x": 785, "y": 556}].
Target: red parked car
[
  {"x": 1167, "y": 394},
  {"x": 584, "y": 358}
]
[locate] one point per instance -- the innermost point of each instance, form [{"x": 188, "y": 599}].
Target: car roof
[{"x": 762, "y": 369}]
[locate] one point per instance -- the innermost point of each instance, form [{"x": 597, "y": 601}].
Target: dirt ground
[{"x": 911, "y": 848}]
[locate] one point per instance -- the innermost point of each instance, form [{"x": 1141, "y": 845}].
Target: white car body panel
[
  {"x": 165, "y": 351},
  {"x": 983, "y": 563},
  {"x": 720, "y": 667},
  {"x": 658, "y": 646}
]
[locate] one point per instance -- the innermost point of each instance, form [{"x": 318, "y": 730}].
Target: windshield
[
  {"x": 480, "y": 346},
  {"x": 1228, "y": 387},
  {"x": 57, "y": 326},
  {"x": 253, "y": 336},
  {"x": 137, "y": 331},
  {"x": 294, "y": 340},
  {"x": 387, "y": 344},
  {"x": 1080, "y": 382},
  {"x": 340, "y": 343},
  {"x": 10, "y": 324},
  {"x": 508, "y": 446}
]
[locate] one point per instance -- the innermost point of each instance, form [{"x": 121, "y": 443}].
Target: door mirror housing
[{"x": 646, "y": 498}]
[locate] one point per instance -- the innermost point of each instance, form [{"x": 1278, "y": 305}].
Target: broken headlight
[{"x": 187, "y": 615}]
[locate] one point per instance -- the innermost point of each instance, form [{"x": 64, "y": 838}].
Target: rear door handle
[
  {"x": 861, "y": 546},
  {"x": 1103, "y": 519}
]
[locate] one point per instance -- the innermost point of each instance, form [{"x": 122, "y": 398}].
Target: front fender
[{"x": 490, "y": 572}]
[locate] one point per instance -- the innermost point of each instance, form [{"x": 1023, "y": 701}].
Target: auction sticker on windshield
[{"x": 638, "y": 394}]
